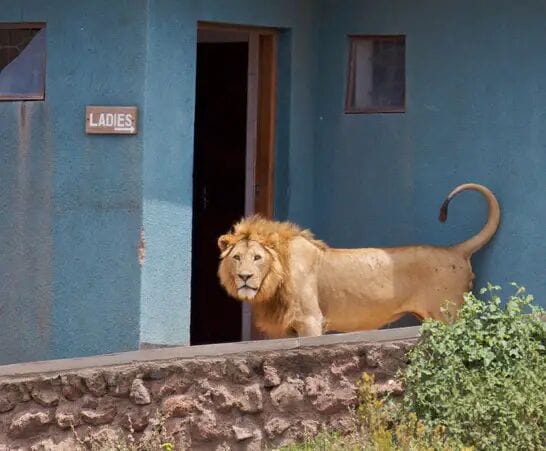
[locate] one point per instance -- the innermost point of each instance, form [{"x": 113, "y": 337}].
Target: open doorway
[{"x": 233, "y": 163}]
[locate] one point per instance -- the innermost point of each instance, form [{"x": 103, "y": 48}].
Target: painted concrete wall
[
  {"x": 70, "y": 204},
  {"x": 168, "y": 154},
  {"x": 73, "y": 205},
  {"x": 476, "y": 96}
]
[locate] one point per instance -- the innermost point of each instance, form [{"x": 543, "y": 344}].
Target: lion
[{"x": 299, "y": 286}]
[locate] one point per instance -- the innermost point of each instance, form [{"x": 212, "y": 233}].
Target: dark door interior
[{"x": 218, "y": 183}]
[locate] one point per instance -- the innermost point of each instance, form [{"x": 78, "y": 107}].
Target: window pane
[
  {"x": 22, "y": 63},
  {"x": 377, "y": 74}
]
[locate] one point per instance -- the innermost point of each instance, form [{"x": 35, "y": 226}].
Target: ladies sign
[{"x": 116, "y": 120}]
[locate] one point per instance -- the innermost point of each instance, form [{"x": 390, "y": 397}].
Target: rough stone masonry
[{"x": 248, "y": 400}]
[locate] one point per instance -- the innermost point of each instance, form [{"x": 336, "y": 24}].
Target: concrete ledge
[{"x": 215, "y": 350}]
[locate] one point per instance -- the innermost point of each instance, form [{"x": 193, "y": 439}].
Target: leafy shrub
[
  {"x": 478, "y": 382},
  {"x": 483, "y": 377}
]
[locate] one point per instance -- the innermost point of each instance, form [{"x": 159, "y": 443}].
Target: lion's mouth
[
  {"x": 247, "y": 287},
  {"x": 246, "y": 292}
]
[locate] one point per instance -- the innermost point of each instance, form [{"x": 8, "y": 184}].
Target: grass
[{"x": 380, "y": 426}]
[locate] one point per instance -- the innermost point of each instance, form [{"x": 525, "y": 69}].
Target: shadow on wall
[{"x": 26, "y": 211}]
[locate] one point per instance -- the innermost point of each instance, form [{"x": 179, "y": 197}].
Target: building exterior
[{"x": 96, "y": 230}]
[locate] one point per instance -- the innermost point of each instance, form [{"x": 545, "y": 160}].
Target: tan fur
[{"x": 298, "y": 285}]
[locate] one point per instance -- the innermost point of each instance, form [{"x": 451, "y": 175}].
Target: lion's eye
[
  {"x": 257, "y": 257},
  {"x": 237, "y": 257}
]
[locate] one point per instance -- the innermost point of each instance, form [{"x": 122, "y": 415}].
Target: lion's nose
[{"x": 244, "y": 276}]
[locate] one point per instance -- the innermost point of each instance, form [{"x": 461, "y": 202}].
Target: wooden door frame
[{"x": 260, "y": 142}]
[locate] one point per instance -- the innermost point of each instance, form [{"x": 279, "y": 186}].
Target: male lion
[{"x": 299, "y": 285}]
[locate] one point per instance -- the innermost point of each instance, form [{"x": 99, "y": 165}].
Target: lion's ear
[{"x": 225, "y": 243}]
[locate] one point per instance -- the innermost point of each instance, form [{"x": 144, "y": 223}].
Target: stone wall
[{"x": 239, "y": 396}]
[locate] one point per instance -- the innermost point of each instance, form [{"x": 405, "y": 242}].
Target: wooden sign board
[{"x": 111, "y": 120}]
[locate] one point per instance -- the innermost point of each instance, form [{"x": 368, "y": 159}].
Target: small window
[
  {"x": 22, "y": 61},
  {"x": 376, "y": 76}
]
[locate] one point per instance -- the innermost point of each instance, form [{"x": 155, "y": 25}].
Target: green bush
[{"x": 483, "y": 376}]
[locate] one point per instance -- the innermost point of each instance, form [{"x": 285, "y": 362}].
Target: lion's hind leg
[{"x": 438, "y": 310}]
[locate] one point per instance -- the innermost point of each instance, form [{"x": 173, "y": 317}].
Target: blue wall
[
  {"x": 168, "y": 154},
  {"x": 71, "y": 203},
  {"x": 476, "y": 96},
  {"x": 72, "y": 206}
]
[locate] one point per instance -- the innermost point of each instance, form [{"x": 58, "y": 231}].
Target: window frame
[
  {"x": 353, "y": 40},
  {"x": 19, "y": 26}
]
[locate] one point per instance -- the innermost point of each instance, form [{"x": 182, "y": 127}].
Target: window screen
[
  {"x": 22, "y": 61},
  {"x": 376, "y": 78}
]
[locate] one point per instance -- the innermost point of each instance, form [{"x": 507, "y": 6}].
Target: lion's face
[
  {"x": 247, "y": 263},
  {"x": 248, "y": 271}
]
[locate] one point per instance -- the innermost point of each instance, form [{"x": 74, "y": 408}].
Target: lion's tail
[{"x": 470, "y": 246}]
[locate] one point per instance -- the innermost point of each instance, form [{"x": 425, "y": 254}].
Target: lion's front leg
[
  {"x": 308, "y": 318},
  {"x": 310, "y": 326},
  {"x": 302, "y": 290}
]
